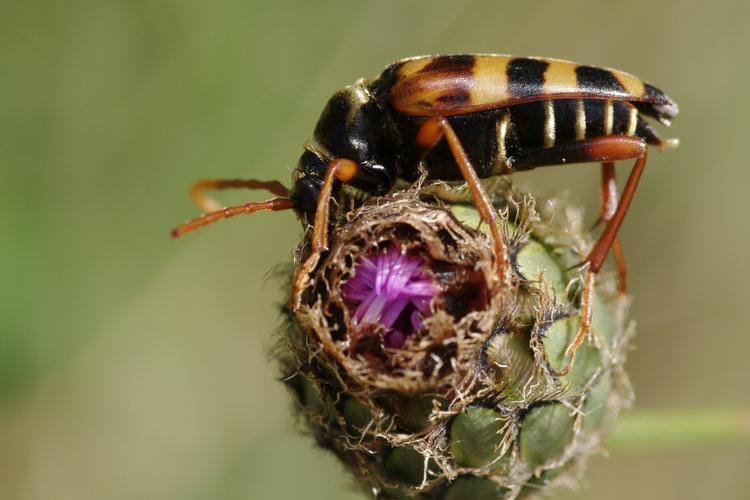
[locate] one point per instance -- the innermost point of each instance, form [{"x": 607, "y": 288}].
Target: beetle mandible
[{"x": 468, "y": 117}]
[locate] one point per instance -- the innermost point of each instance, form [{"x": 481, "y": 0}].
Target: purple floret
[{"x": 390, "y": 289}]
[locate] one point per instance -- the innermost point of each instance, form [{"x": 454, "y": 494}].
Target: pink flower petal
[
  {"x": 387, "y": 285},
  {"x": 393, "y": 311}
]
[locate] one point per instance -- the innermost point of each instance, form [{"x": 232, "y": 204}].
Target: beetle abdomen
[
  {"x": 492, "y": 139},
  {"x": 544, "y": 124}
]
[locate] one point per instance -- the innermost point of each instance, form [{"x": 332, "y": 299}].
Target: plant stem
[{"x": 652, "y": 430}]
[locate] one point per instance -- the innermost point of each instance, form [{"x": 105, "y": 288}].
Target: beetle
[{"x": 467, "y": 117}]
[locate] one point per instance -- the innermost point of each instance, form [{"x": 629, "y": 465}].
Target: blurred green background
[{"x": 132, "y": 366}]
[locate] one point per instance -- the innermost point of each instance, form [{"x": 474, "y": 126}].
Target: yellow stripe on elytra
[
  {"x": 560, "y": 77},
  {"x": 633, "y": 86},
  {"x": 414, "y": 65},
  {"x": 490, "y": 80}
]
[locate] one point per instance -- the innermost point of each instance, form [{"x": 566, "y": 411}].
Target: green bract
[{"x": 472, "y": 405}]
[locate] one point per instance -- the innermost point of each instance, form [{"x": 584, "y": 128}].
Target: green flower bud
[{"x": 431, "y": 379}]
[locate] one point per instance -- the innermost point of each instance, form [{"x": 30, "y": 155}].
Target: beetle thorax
[{"x": 356, "y": 126}]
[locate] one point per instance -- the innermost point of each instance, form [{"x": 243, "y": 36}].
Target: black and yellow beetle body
[
  {"x": 468, "y": 117},
  {"x": 505, "y": 110}
]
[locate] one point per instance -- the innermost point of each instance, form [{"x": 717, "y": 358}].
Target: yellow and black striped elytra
[
  {"x": 450, "y": 85},
  {"x": 467, "y": 117},
  {"x": 503, "y": 109}
]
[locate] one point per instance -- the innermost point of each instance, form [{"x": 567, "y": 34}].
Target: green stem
[{"x": 651, "y": 430}]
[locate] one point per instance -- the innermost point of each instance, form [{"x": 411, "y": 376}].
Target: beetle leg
[
  {"x": 428, "y": 135},
  {"x": 608, "y": 148},
  {"x": 599, "y": 252},
  {"x": 605, "y": 149},
  {"x": 606, "y": 211},
  {"x": 608, "y": 194},
  {"x": 622, "y": 268},
  {"x": 338, "y": 169},
  {"x": 208, "y": 204}
]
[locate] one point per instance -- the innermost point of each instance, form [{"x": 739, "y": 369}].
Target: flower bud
[{"x": 428, "y": 376}]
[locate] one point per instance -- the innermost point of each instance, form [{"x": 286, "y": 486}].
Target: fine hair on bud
[{"x": 428, "y": 376}]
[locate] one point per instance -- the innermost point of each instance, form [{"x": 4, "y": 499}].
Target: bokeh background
[{"x": 132, "y": 366}]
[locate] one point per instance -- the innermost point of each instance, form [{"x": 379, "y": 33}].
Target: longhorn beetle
[{"x": 468, "y": 117}]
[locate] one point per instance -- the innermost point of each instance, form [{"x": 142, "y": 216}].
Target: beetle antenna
[
  {"x": 208, "y": 204},
  {"x": 274, "y": 204}
]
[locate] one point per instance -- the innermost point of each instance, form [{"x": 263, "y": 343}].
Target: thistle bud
[{"x": 430, "y": 378}]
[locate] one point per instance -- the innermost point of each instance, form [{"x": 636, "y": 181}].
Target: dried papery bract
[
  {"x": 462, "y": 311},
  {"x": 428, "y": 376}
]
